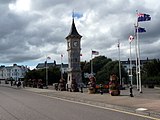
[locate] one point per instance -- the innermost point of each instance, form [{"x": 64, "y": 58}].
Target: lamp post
[
  {"x": 131, "y": 75},
  {"x": 131, "y": 83},
  {"x": 131, "y": 66}
]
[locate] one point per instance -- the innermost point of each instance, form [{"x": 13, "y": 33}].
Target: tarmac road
[{"x": 18, "y": 104}]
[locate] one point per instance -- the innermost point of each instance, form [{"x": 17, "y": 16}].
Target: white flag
[
  {"x": 131, "y": 38},
  {"x": 48, "y": 57}
]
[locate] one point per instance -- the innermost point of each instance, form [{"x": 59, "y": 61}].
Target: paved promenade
[{"x": 146, "y": 103}]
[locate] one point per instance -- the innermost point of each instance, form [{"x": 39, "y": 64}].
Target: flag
[
  {"x": 143, "y": 17},
  {"x": 48, "y": 57},
  {"x": 45, "y": 63},
  {"x": 141, "y": 30},
  {"x": 131, "y": 38},
  {"x": 95, "y": 52},
  {"x": 77, "y": 14},
  {"x": 118, "y": 44}
]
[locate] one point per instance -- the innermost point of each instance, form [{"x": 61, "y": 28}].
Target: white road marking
[{"x": 141, "y": 109}]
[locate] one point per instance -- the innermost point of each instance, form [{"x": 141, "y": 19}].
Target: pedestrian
[
  {"x": 11, "y": 82},
  {"x": 23, "y": 83},
  {"x": 81, "y": 87},
  {"x": 18, "y": 83}
]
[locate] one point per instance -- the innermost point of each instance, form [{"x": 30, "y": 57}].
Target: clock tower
[{"x": 74, "y": 49}]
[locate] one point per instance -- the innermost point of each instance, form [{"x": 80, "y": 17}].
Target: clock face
[{"x": 75, "y": 43}]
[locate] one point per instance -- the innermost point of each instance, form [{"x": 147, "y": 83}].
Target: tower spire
[{"x": 73, "y": 30}]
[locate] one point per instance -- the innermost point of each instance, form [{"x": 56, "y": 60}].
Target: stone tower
[{"x": 74, "y": 49}]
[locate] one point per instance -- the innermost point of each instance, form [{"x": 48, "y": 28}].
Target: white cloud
[
  {"x": 38, "y": 28},
  {"x": 20, "y": 5}
]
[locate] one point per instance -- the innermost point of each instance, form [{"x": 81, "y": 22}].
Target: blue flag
[
  {"x": 143, "y": 17},
  {"x": 77, "y": 15},
  {"x": 141, "y": 30}
]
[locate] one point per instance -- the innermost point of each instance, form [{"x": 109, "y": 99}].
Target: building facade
[
  {"x": 126, "y": 64},
  {"x": 14, "y": 72},
  {"x": 62, "y": 66}
]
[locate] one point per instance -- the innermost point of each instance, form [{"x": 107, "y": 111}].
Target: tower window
[
  {"x": 75, "y": 59},
  {"x": 68, "y": 44}
]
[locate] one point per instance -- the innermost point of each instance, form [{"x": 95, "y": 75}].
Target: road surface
[{"x": 18, "y": 104}]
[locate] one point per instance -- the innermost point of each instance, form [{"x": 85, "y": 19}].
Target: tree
[
  {"x": 103, "y": 76},
  {"x": 98, "y": 63},
  {"x": 83, "y": 65},
  {"x": 32, "y": 74},
  {"x": 54, "y": 75},
  {"x": 152, "y": 68},
  {"x": 107, "y": 70},
  {"x": 103, "y": 67},
  {"x": 151, "y": 72}
]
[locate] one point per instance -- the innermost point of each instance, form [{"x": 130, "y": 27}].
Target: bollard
[
  {"x": 81, "y": 89},
  {"x": 101, "y": 89},
  {"x": 131, "y": 92}
]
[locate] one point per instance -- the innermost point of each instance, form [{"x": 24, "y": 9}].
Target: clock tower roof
[{"x": 73, "y": 31}]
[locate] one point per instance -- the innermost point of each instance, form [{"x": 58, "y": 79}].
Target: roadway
[{"x": 18, "y": 104}]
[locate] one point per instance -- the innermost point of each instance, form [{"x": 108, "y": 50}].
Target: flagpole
[
  {"x": 119, "y": 63},
  {"x": 136, "y": 58},
  {"x": 139, "y": 64},
  {"x": 61, "y": 67},
  {"x": 46, "y": 74},
  {"x": 91, "y": 63}
]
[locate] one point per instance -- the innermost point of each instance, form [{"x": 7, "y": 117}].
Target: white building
[{"x": 13, "y": 72}]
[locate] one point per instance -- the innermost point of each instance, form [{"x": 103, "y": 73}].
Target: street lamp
[{"x": 131, "y": 38}]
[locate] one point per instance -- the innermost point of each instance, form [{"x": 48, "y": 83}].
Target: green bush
[{"x": 151, "y": 81}]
